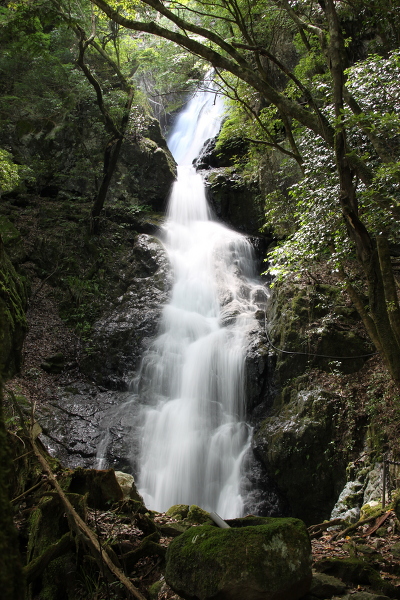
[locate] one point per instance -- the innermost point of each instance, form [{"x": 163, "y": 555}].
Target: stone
[
  {"x": 347, "y": 506},
  {"x": 325, "y": 586},
  {"x": 271, "y": 561},
  {"x": 101, "y": 486},
  {"x": 356, "y": 572},
  {"x": 127, "y": 484},
  {"x": 197, "y": 515},
  {"x": 178, "y": 511},
  {"x": 54, "y": 364}
]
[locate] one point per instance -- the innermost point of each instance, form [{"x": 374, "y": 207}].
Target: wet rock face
[
  {"x": 146, "y": 169},
  {"x": 297, "y": 423},
  {"x": 76, "y": 420},
  {"x": 256, "y": 559},
  {"x": 96, "y": 416},
  {"x": 235, "y": 201},
  {"x": 295, "y": 446},
  {"x": 122, "y": 334}
]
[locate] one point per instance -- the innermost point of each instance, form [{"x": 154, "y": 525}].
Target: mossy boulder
[
  {"x": 101, "y": 487},
  {"x": 271, "y": 561},
  {"x": 178, "y": 511},
  {"x": 356, "y": 572},
  {"x": 295, "y": 445},
  {"x": 54, "y": 364}
]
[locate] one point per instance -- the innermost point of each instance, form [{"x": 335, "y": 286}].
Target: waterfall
[{"x": 193, "y": 437}]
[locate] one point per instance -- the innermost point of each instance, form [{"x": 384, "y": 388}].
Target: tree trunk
[
  {"x": 111, "y": 155},
  {"x": 11, "y": 579},
  {"x": 112, "y": 151},
  {"x": 366, "y": 247}
]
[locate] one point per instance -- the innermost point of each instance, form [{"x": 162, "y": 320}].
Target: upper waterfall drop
[
  {"x": 199, "y": 121},
  {"x": 193, "y": 437}
]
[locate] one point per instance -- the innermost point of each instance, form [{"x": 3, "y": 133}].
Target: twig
[
  {"x": 22, "y": 455},
  {"x": 27, "y": 492},
  {"x": 315, "y": 530}
]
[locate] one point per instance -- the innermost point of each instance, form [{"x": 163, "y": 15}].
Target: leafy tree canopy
[{"x": 297, "y": 73}]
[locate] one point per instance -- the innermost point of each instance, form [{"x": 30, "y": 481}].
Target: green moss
[
  {"x": 12, "y": 315},
  {"x": 197, "y": 515},
  {"x": 154, "y": 589},
  {"x": 278, "y": 546},
  {"x": 178, "y": 511},
  {"x": 356, "y": 572}
]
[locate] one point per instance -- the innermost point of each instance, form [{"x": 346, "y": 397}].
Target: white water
[{"x": 193, "y": 437}]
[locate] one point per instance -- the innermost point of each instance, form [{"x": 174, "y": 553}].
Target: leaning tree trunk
[
  {"x": 113, "y": 148},
  {"x": 382, "y": 294},
  {"x": 111, "y": 156}
]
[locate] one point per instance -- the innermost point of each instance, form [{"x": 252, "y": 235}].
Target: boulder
[
  {"x": 356, "y": 571},
  {"x": 268, "y": 561},
  {"x": 54, "y": 363},
  {"x": 101, "y": 487},
  {"x": 325, "y": 586},
  {"x": 127, "y": 484}
]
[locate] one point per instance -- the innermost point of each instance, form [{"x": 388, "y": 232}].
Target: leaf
[{"x": 36, "y": 430}]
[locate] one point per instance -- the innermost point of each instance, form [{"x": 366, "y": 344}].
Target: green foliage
[{"x": 9, "y": 176}]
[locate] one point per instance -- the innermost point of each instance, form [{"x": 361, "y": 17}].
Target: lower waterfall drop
[{"x": 193, "y": 436}]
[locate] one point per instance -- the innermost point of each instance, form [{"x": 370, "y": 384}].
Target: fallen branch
[
  {"x": 378, "y": 523},
  {"x": 315, "y": 530},
  {"x": 358, "y": 524},
  {"x": 79, "y": 527}
]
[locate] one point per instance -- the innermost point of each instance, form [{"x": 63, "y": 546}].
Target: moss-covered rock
[
  {"x": 12, "y": 315},
  {"x": 357, "y": 572},
  {"x": 295, "y": 444},
  {"x": 101, "y": 486},
  {"x": 178, "y": 511},
  {"x": 271, "y": 561},
  {"x": 314, "y": 326}
]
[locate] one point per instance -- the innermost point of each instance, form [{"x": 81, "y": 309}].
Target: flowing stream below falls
[{"x": 192, "y": 438}]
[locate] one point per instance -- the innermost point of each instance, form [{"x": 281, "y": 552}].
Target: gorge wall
[{"x": 302, "y": 442}]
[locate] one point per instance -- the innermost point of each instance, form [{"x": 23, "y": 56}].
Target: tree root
[{"x": 36, "y": 567}]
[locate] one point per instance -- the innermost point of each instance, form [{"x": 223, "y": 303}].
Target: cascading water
[{"x": 191, "y": 385}]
